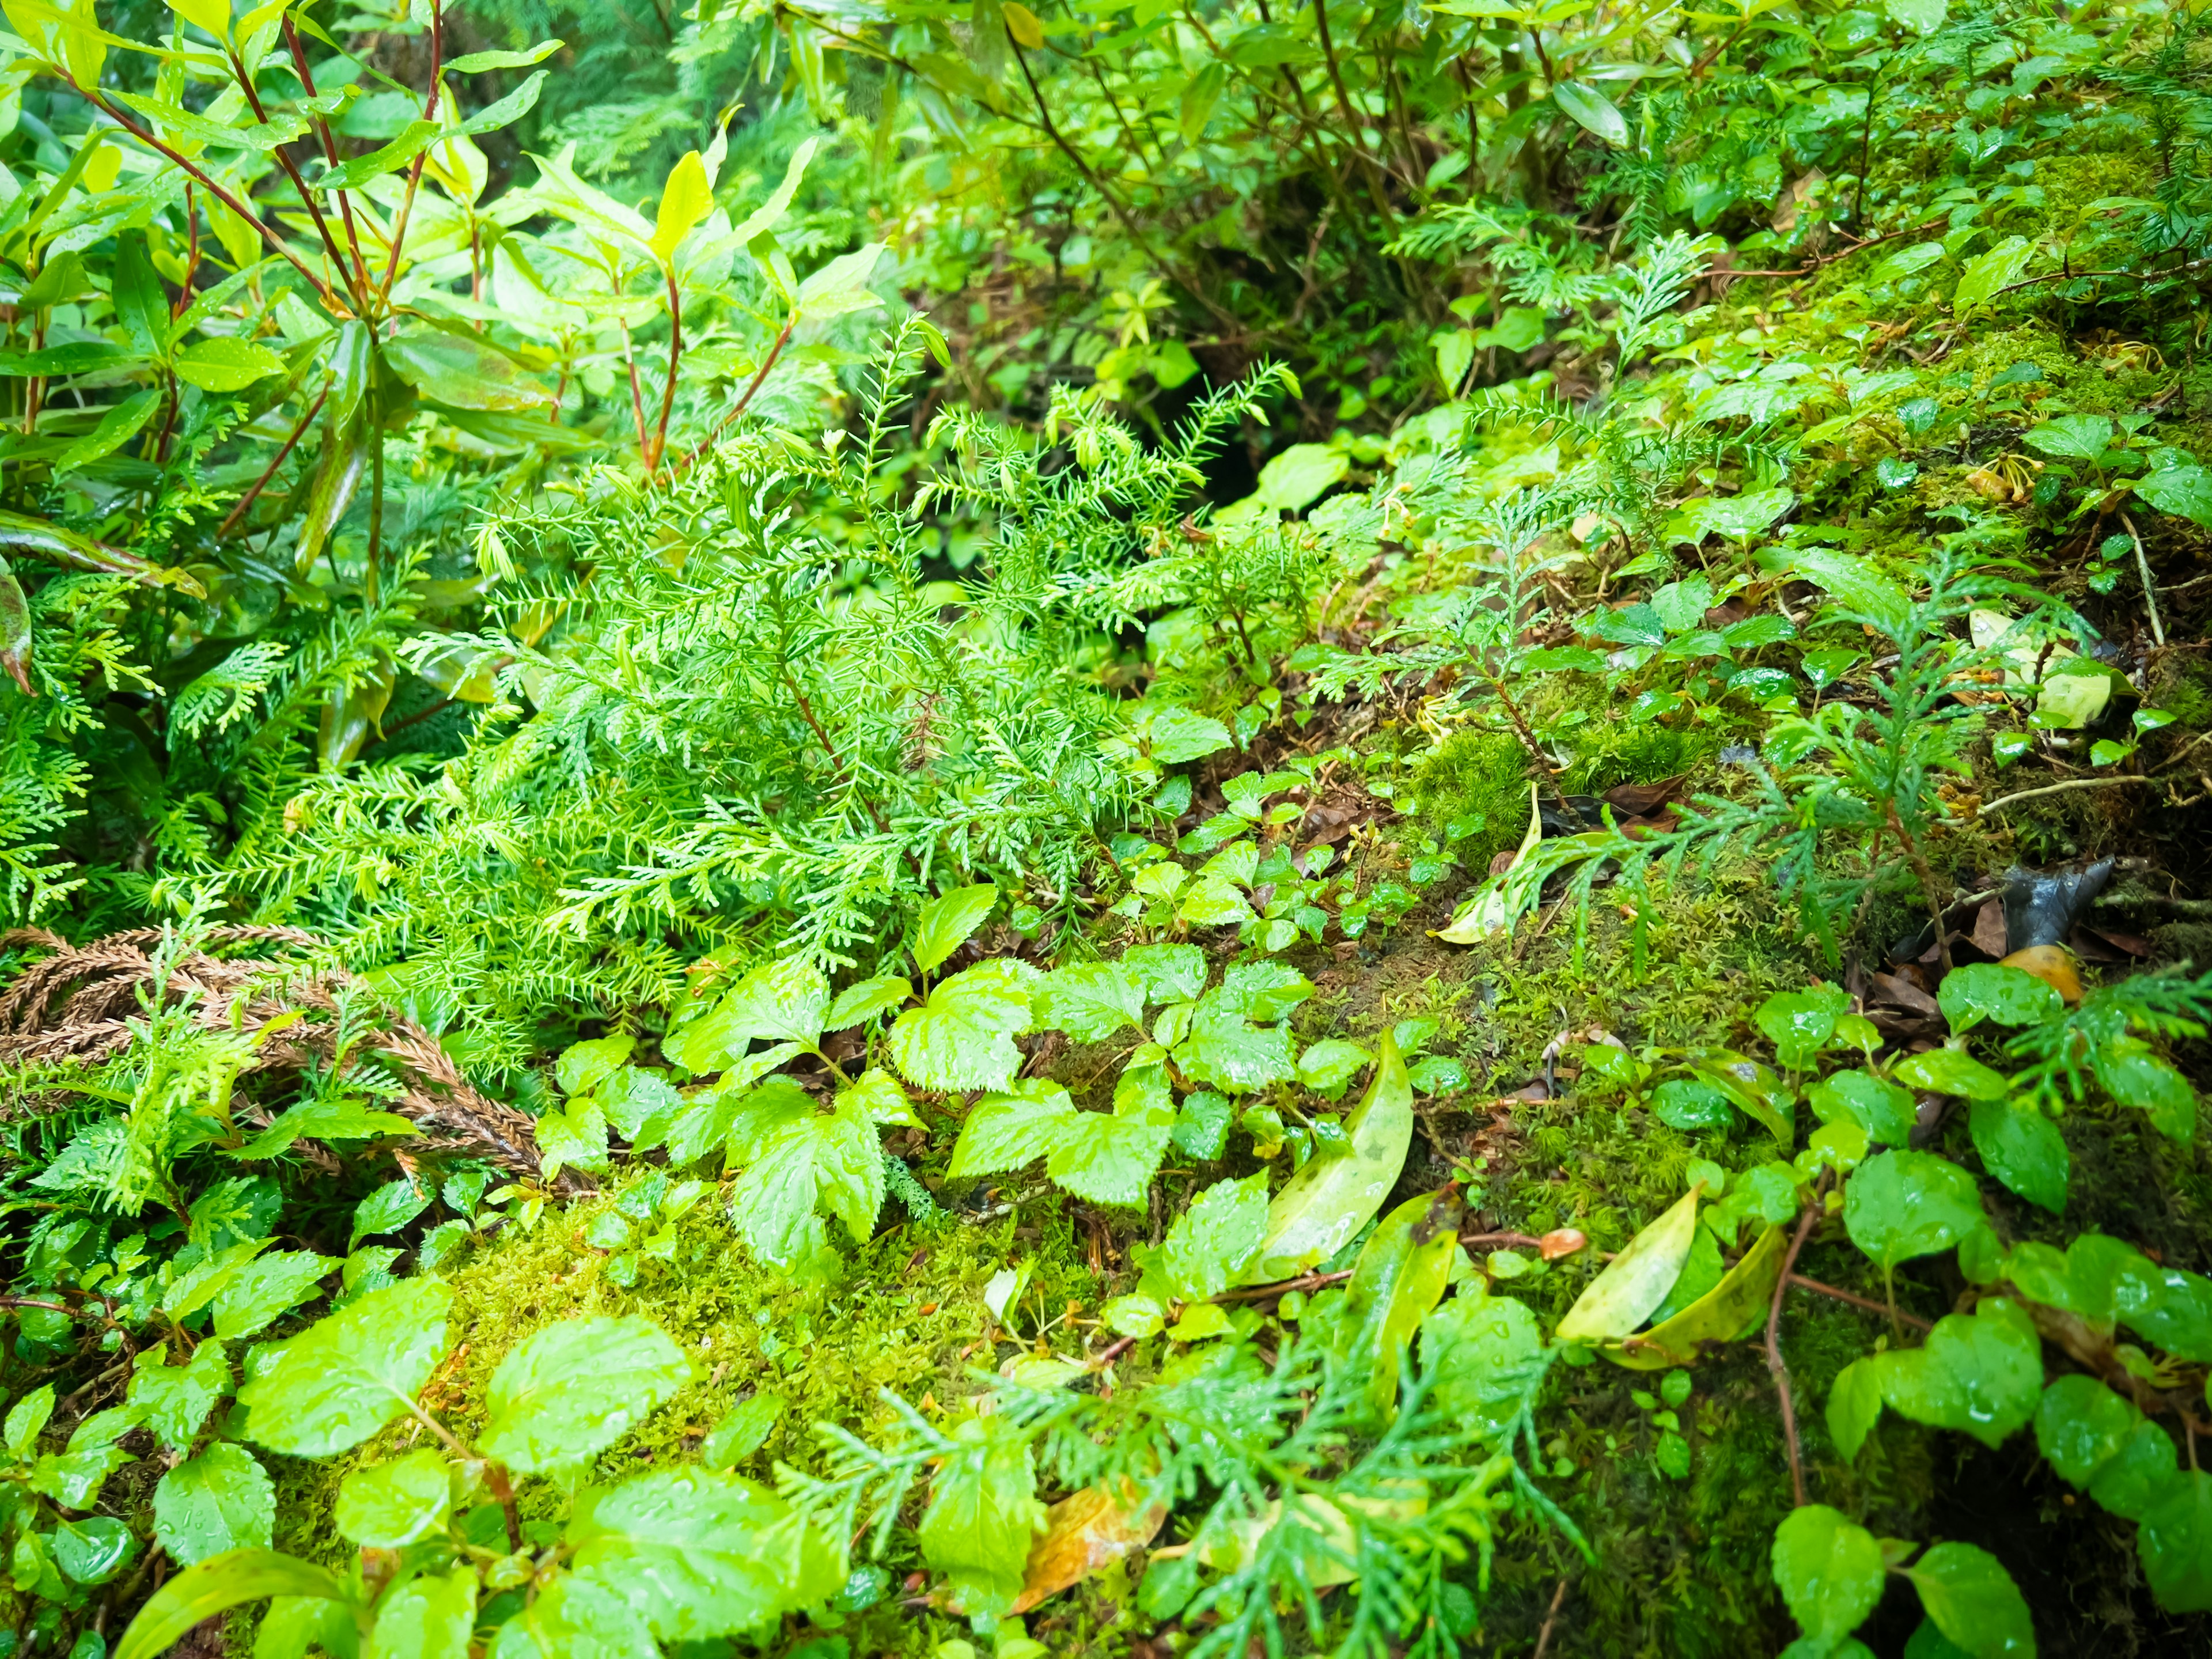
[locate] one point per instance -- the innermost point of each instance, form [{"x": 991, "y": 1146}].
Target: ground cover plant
[{"x": 1120, "y": 829}]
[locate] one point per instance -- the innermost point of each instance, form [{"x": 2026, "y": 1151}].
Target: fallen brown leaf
[{"x": 1083, "y": 1532}]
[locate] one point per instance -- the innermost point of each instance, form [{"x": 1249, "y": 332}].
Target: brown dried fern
[{"x": 73, "y": 1004}]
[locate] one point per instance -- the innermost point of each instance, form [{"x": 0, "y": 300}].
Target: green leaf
[
  {"x": 983, "y": 1512},
  {"x": 698, "y": 1555},
  {"x": 215, "y": 1586},
  {"x": 1485, "y": 1352},
  {"x": 1289, "y": 482},
  {"x": 1987, "y": 272},
  {"x": 1950, "y": 1071},
  {"x": 583, "y": 1065},
  {"x": 1321, "y": 1208},
  {"x": 743, "y": 1431},
  {"x": 177, "y": 1399},
  {"x": 92, "y": 1550},
  {"x": 28, "y": 1418},
  {"x": 1855, "y": 1406},
  {"x": 462, "y": 373},
  {"x": 1592, "y": 110},
  {"x": 1857, "y": 583},
  {"x": 778, "y": 1002},
  {"x": 221, "y": 1500},
  {"x": 1875, "y": 1104},
  {"x": 1089, "y": 1000},
  {"x": 1800, "y": 1023},
  {"x": 1980, "y": 1373},
  {"x": 1971, "y": 1599},
  {"x": 686, "y": 199},
  {"x": 1176, "y": 734},
  {"x": 962, "y": 1036},
  {"x": 2134, "y": 1077},
  {"x": 1112, "y": 1160},
  {"x": 430, "y": 1616},
  {"x": 1211, "y": 1242},
  {"x": 253, "y": 1296},
  {"x": 121, "y": 423},
  {"x": 2174, "y": 1540},
  {"x": 945, "y": 923},
  {"x": 2071, "y": 437},
  {"x": 388, "y": 1209},
  {"x": 860, "y": 1002},
  {"x": 1829, "y": 1569},
  {"x": 1635, "y": 1282},
  {"x": 794, "y": 1155},
  {"x": 1396, "y": 1283},
  {"x": 2023, "y": 1149},
  {"x": 575, "y": 1618},
  {"x": 572, "y": 1390},
  {"x": 2081, "y": 1425},
  {"x": 226, "y": 365},
  {"x": 476, "y": 63},
  {"x": 1227, "y": 1051},
  {"x": 344, "y": 1378},
  {"x": 1006, "y": 1131},
  {"x": 386, "y": 1505},
  {"x": 1900, "y": 1205},
  {"x": 2184, "y": 491},
  {"x": 2138, "y": 1476},
  {"x": 1989, "y": 990},
  {"x": 841, "y": 285}
]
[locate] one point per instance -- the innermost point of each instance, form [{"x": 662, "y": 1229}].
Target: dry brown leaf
[
  {"x": 1083, "y": 1532},
  {"x": 2050, "y": 964}
]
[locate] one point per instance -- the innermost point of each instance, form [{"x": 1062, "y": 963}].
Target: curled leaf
[{"x": 1328, "y": 1200}]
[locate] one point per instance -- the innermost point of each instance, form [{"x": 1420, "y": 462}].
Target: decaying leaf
[{"x": 1083, "y": 1532}]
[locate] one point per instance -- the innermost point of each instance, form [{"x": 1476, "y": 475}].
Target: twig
[
  {"x": 1551, "y": 1618},
  {"x": 1283, "y": 1287},
  {"x": 2004, "y": 801},
  {"x": 1801, "y": 1283},
  {"x": 246, "y": 501},
  {"x": 1775, "y": 1364},
  {"x": 2150, "y": 588}
]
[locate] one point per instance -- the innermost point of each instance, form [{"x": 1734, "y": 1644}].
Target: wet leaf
[
  {"x": 1088, "y": 1529},
  {"x": 1323, "y": 1206},
  {"x": 1635, "y": 1282}
]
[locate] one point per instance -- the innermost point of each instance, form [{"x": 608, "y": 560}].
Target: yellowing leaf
[
  {"x": 213, "y": 15},
  {"x": 1083, "y": 1532},
  {"x": 1487, "y": 912},
  {"x": 1635, "y": 1282},
  {"x": 1022, "y": 23},
  {"x": 685, "y": 200}
]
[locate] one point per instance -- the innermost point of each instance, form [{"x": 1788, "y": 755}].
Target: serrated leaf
[
  {"x": 1089, "y": 1000},
  {"x": 221, "y": 1500},
  {"x": 253, "y": 1297},
  {"x": 784, "y": 1001},
  {"x": 430, "y": 1616},
  {"x": 386, "y": 1505},
  {"x": 945, "y": 923},
  {"x": 344, "y": 1378},
  {"x": 572, "y": 1390},
  {"x": 860, "y": 1002},
  {"x": 1006, "y": 1131},
  {"x": 698, "y": 1555},
  {"x": 983, "y": 1515},
  {"x": 962, "y": 1036},
  {"x": 177, "y": 1399}
]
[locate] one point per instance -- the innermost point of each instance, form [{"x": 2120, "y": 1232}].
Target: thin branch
[
  {"x": 674, "y": 355},
  {"x": 1798, "y": 1281},
  {"x": 1776, "y": 1366},
  {"x": 245, "y": 501},
  {"x": 2150, "y": 588},
  {"x": 2004, "y": 801}
]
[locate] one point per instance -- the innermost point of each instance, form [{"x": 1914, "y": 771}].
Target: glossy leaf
[
  {"x": 1899, "y": 1205},
  {"x": 1323, "y": 1206},
  {"x": 221, "y": 1500},
  {"x": 1830, "y": 1570},
  {"x": 946, "y": 923},
  {"x": 344, "y": 1378},
  {"x": 962, "y": 1036},
  {"x": 1635, "y": 1282},
  {"x": 386, "y": 1505},
  {"x": 572, "y": 1390},
  {"x": 1972, "y": 1599},
  {"x": 212, "y": 1587}
]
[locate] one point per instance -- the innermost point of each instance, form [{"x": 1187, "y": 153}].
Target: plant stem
[
  {"x": 245, "y": 501},
  {"x": 1928, "y": 889},
  {"x": 1776, "y": 1366},
  {"x": 668, "y": 392},
  {"x": 2150, "y": 589},
  {"x": 2004, "y": 801}
]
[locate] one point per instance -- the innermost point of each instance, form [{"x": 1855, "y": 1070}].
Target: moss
[{"x": 1475, "y": 778}]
